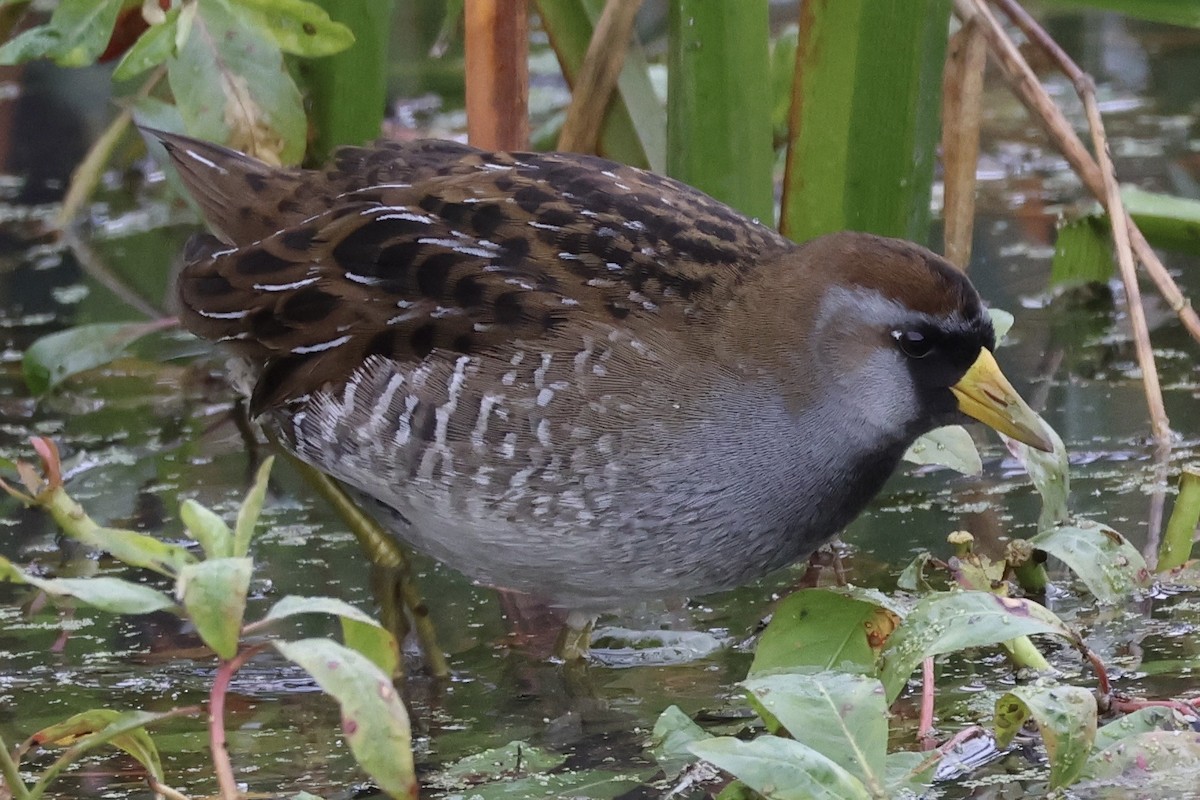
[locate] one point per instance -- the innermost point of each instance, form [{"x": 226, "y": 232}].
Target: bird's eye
[{"x": 913, "y": 344}]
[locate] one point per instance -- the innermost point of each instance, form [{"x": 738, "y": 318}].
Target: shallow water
[{"x": 147, "y": 432}]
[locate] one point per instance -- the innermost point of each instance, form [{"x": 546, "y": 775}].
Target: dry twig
[
  {"x": 597, "y": 78},
  {"x": 1097, "y": 179},
  {"x": 962, "y": 104}
]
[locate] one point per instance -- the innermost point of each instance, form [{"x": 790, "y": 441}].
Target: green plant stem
[
  {"x": 1181, "y": 528},
  {"x": 216, "y": 721},
  {"x": 383, "y": 550},
  {"x": 1024, "y": 654},
  {"x": 12, "y": 774},
  {"x": 166, "y": 791}
]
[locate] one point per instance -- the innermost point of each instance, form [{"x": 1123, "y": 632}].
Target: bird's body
[{"x": 574, "y": 378}]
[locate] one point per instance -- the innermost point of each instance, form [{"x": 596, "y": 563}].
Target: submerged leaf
[
  {"x": 670, "y": 743},
  {"x": 54, "y": 358}
]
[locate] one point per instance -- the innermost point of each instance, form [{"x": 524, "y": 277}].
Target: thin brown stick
[
  {"x": 1133, "y": 293},
  {"x": 497, "y": 73},
  {"x": 597, "y": 78},
  {"x": 1029, "y": 91},
  {"x": 962, "y": 107}
]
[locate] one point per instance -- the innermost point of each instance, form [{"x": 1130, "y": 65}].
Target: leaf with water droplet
[
  {"x": 1066, "y": 718},
  {"x": 950, "y": 446},
  {"x": 781, "y": 769},
  {"x": 1104, "y": 560}
]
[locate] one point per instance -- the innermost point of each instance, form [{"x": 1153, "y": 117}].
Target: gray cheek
[{"x": 879, "y": 393}]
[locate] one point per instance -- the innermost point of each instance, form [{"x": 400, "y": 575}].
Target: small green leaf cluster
[
  {"x": 210, "y": 590},
  {"x": 223, "y": 60}
]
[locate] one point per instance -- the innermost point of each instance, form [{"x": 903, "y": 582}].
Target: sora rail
[{"x": 573, "y": 378}]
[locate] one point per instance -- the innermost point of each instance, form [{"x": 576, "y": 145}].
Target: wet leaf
[
  {"x": 948, "y": 621},
  {"x": 781, "y": 769},
  {"x": 512, "y": 759},
  {"x": 841, "y": 715},
  {"x": 1150, "y": 718},
  {"x": 817, "y": 628},
  {"x": 950, "y": 446},
  {"x": 1066, "y": 718},
  {"x": 136, "y": 549},
  {"x": 912, "y": 578},
  {"x": 136, "y": 741},
  {"x": 589, "y": 784},
  {"x": 360, "y": 631},
  {"x": 113, "y": 595},
  {"x": 231, "y": 86},
  {"x": 152, "y": 48},
  {"x": 1177, "y": 541},
  {"x": 207, "y": 528},
  {"x": 1104, "y": 560},
  {"x": 1082, "y": 253},
  {"x": 1050, "y": 473},
  {"x": 75, "y": 36},
  {"x": 251, "y": 508},
  {"x": 214, "y": 594},
  {"x": 298, "y": 27},
  {"x": 1157, "y": 763},
  {"x": 374, "y": 720},
  {"x": 671, "y": 741},
  {"x": 909, "y": 774},
  {"x": 54, "y": 358}
]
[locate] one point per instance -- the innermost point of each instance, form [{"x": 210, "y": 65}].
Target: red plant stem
[
  {"x": 216, "y": 721},
  {"x": 925, "y": 726}
]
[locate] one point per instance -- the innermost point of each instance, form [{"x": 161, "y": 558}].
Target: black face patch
[{"x": 952, "y": 347}]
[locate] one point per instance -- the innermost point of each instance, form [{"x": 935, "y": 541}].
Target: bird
[{"x": 573, "y": 378}]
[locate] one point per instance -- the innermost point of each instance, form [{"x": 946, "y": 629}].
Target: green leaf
[
  {"x": 360, "y": 631},
  {"x": 950, "y": 446},
  {"x": 1066, "y": 717},
  {"x": 670, "y": 743},
  {"x": 54, "y": 358},
  {"x": 152, "y": 48},
  {"x": 1082, "y": 253},
  {"x": 214, "y": 594},
  {"x": 76, "y": 35},
  {"x": 781, "y": 769},
  {"x": 374, "y": 720},
  {"x": 1157, "y": 763},
  {"x": 207, "y": 528},
  {"x": 514, "y": 758},
  {"x": 948, "y": 621},
  {"x": 1181, "y": 528},
  {"x": 1150, "y": 718},
  {"x": 840, "y": 715},
  {"x": 1050, "y": 473},
  {"x": 137, "y": 549},
  {"x": 135, "y": 741},
  {"x": 107, "y": 594},
  {"x": 231, "y": 85},
  {"x": 819, "y": 628},
  {"x": 1172, "y": 12},
  {"x": 251, "y": 508},
  {"x": 910, "y": 774},
  {"x": 1104, "y": 560},
  {"x": 1167, "y": 221},
  {"x": 298, "y": 27}
]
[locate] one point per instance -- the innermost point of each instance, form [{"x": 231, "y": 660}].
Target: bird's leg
[{"x": 576, "y": 636}]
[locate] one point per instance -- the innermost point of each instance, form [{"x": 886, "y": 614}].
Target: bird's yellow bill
[{"x": 985, "y": 394}]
